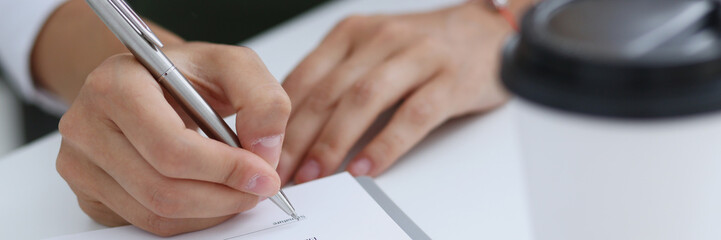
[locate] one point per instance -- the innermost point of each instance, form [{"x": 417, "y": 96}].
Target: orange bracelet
[{"x": 501, "y": 6}]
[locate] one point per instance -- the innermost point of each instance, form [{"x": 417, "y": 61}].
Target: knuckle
[
  {"x": 387, "y": 146},
  {"x": 100, "y": 80},
  {"x": 383, "y": 76},
  {"x": 320, "y": 101},
  {"x": 170, "y": 162},
  {"x": 74, "y": 127},
  {"x": 91, "y": 206},
  {"x": 65, "y": 126},
  {"x": 232, "y": 178},
  {"x": 159, "y": 225},
  {"x": 65, "y": 167},
  {"x": 325, "y": 150},
  {"x": 76, "y": 171},
  {"x": 241, "y": 52},
  {"x": 436, "y": 51},
  {"x": 432, "y": 45},
  {"x": 270, "y": 99},
  {"x": 306, "y": 70},
  {"x": 365, "y": 91},
  {"x": 91, "y": 209},
  {"x": 453, "y": 68},
  {"x": 170, "y": 167},
  {"x": 389, "y": 31},
  {"x": 351, "y": 22},
  {"x": 68, "y": 126},
  {"x": 100, "y": 213},
  {"x": 278, "y": 100},
  {"x": 165, "y": 201},
  {"x": 421, "y": 113},
  {"x": 234, "y": 54}
]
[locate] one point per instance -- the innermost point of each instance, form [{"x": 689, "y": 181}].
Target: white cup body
[{"x": 596, "y": 178}]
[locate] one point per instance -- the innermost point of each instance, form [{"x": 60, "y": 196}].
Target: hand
[
  {"x": 437, "y": 65},
  {"x": 132, "y": 156}
]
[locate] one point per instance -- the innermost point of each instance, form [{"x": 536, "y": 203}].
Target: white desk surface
[{"x": 462, "y": 182}]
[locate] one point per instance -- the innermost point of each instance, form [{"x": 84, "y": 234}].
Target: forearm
[
  {"x": 519, "y": 7},
  {"x": 73, "y": 42}
]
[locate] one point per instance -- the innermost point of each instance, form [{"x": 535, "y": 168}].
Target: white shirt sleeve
[{"x": 20, "y": 23}]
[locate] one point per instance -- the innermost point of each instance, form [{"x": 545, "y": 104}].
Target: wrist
[
  {"x": 511, "y": 12},
  {"x": 72, "y": 42}
]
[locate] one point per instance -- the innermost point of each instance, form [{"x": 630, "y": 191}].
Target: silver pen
[{"x": 145, "y": 46}]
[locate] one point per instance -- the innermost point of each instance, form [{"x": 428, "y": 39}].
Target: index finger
[
  {"x": 324, "y": 58},
  {"x": 142, "y": 114},
  {"x": 261, "y": 104}
]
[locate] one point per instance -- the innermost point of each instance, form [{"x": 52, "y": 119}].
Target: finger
[
  {"x": 135, "y": 213},
  {"x": 390, "y": 38},
  {"x": 425, "y": 110},
  {"x": 152, "y": 127},
  {"x": 375, "y": 92},
  {"x": 261, "y": 104},
  {"x": 172, "y": 198},
  {"x": 74, "y": 167},
  {"x": 101, "y": 213},
  {"x": 335, "y": 47},
  {"x": 316, "y": 108},
  {"x": 107, "y": 202}
]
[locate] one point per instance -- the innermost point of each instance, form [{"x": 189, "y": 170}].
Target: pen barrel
[
  {"x": 165, "y": 72},
  {"x": 154, "y": 60},
  {"x": 147, "y": 52},
  {"x": 197, "y": 108}
]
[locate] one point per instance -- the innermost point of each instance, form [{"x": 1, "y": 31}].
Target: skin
[
  {"x": 129, "y": 152},
  {"x": 132, "y": 156},
  {"x": 436, "y": 66}
]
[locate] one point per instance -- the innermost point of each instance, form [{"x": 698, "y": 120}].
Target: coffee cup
[{"x": 619, "y": 118}]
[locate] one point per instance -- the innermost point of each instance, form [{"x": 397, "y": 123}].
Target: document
[{"x": 335, "y": 207}]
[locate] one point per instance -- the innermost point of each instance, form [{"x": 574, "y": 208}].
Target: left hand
[{"x": 438, "y": 65}]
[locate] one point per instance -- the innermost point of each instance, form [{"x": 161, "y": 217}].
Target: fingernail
[
  {"x": 261, "y": 186},
  {"x": 309, "y": 171},
  {"x": 361, "y": 167},
  {"x": 268, "y": 148}
]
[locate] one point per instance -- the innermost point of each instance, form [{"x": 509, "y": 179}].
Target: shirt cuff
[{"x": 20, "y": 23}]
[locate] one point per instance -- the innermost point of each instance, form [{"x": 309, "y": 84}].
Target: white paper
[{"x": 335, "y": 207}]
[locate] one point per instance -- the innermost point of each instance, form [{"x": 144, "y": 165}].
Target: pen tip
[{"x": 295, "y": 216}]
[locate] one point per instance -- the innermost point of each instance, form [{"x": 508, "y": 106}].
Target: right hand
[{"x": 131, "y": 155}]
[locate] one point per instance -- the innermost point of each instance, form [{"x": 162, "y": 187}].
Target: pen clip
[{"x": 136, "y": 22}]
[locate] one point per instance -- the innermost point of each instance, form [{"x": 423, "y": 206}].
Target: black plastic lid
[{"x": 618, "y": 58}]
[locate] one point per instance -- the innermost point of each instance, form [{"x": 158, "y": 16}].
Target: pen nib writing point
[{"x": 295, "y": 216}]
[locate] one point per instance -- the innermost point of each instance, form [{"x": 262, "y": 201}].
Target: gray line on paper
[{"x": 275, "y": 226}]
